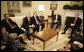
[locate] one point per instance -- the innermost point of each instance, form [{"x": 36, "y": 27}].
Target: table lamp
[{"x": 41, "y": 9}]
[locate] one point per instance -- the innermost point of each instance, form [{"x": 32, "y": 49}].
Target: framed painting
[
  {"x": 13, "y": 6},
  {"x": 27, "y": 3},
  {"x": 54, "y": 1},
  {"x": 53, "y": 6}
]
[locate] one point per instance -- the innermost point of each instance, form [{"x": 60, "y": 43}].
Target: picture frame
[
  {"x": 53, "y": 6},
  {"x": 54, "y": 1},
  {"x": 13, "y": 6},
  {"x": 27, "y": 3}
]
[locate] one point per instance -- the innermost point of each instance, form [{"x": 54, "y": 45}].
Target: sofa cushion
[{"x": 18, "y": 20}]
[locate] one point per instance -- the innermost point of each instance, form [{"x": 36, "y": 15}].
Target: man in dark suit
[
  {"x": 26, "y": 24},
  {"x": 42, "y": 23},
  {"x": 75, "y": 24},
  {"x": 35, "y": 22},
  {"x": 56, "y": 19},
  {"x": 12, "y": 27}
]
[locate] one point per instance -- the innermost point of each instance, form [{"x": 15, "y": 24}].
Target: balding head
[{"x": 28, "y": 15}]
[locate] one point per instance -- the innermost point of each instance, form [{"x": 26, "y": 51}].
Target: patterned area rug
[{"x": 51, "y": 45}]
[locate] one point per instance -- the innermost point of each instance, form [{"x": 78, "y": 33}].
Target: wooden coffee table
[{"x": 45, "y": 35}]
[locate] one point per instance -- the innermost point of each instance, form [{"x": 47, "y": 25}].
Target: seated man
[
  {"x": 27, "y": 23},
  {"x": 5, "y": 38},
  {"x": 41, "y": 22},
  {"x": 75, "y": 24},
  {"x": 76, "y": 39},
  {"x": 12, "y": 27},
  {"x": 56, "y": 19},
  {"x": 7, "y": 41},
  {"x": 35, "y": 22}
]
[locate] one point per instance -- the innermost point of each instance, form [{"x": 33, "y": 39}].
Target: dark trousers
[
  {"x": 27, "y": 29},
  {"x": 36, "y": 28},
  {"x": 72, "y": 45},
  {"x": 79, "y": 49},
  {"x": 73, "y": 29},
  {"x": 76, "y": 38},
  {"x": 52, "y": 25},
  {"x": 18, "y": 31},
  {"x": 42, "y": 26}
]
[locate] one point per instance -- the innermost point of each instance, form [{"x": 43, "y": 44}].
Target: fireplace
[{"x": 70, "y": 14}]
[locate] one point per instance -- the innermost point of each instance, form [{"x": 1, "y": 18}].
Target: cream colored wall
[
  {"x": 35, "y": 4},
  {"x": 3, "y": 8}
]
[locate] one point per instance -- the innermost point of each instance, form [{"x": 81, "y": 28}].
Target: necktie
[
  {"x": 10, "y": 24},
  {"x": 29, "y": 21},
  {"x": 56, "y": 17},
  {"x": 36, "y": 20},
  {"x": 75, "y": 21}
]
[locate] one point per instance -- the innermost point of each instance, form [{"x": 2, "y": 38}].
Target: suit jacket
[
  {"x": 78, "y": 22},
  {"x": 26, "y": 23},
  {"x": 33, "y": 21},
  {"x": 8, "y": 27},
  {"x": 5, "y": 38},
  {"x": 42, "y": 18},
  {"x": 54, "y": 18}
]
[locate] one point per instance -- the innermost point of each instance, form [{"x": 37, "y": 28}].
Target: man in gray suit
[{"x": 41, "y": 22}]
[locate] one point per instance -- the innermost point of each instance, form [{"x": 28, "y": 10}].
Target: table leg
[
  {"x": 33, "y": 40},
  {"x": 57, "y": 36},
  {"x": 44, "y": 46},
  {"x": 47, "y": 23}
]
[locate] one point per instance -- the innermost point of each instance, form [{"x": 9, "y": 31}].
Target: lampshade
[{"x": 41, "y": 8}]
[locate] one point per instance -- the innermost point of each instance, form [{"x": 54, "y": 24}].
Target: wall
[
  {"x": 46, "y": 4},
  {"x": 3, "y": 8},
  {"x": 35, "y": 4}
]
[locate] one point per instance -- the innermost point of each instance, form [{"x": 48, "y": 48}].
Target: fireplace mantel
[{"x": 71, "y": 13}]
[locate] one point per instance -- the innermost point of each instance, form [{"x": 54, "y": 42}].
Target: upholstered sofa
[{"x": 19, "y": 21}]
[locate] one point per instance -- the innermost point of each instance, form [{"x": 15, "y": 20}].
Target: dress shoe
[
  {"x": 37, "y": 31},
  {"x": 23, "y": 42},
  {"x": 69, "y": 37},
  {"x": 41, "y": 29},
  {"x": 63, "y": 33},
  {"x": 29, "y": 38},
  {"x": 21, "y": 49}
]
